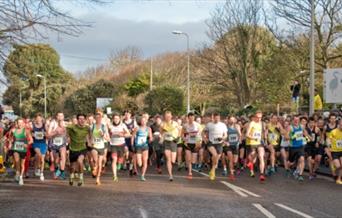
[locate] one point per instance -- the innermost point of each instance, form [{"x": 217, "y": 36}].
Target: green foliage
[
  {"x": 165, "y": 98},
  {"x": 138, "y": 85},
  {"x": 84, "y": 100},
  {"x": 21, "y": 69}
]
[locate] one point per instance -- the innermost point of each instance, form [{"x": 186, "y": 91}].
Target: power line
[{"x": 83, "y": 57}]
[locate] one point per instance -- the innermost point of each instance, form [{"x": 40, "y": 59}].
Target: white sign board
[
  {"x": 333, "y": 85},
  {"x": 103, "y": 102}
]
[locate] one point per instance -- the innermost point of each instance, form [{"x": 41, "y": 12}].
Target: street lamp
[
  {"x": 177, "y": 32},
  {"x": 45, "y": 103}
]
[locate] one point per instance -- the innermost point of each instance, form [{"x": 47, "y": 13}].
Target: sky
[{"x": 146, "y": 24}]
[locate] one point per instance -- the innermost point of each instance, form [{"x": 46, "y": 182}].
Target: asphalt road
[{"x": 157, "y": 197}]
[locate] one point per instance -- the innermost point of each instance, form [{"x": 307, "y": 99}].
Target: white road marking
[
  {"x": 293, "y": 210},
  {"x": 143, "y": 213},
  {"x": 241, "y": 191},
  {"x": 264, "y": 211},
  {"x": 237, "y": 191}
]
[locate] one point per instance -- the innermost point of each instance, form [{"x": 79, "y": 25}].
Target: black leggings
[{"x": 159, "y": 156}]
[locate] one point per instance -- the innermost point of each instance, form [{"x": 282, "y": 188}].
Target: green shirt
[{"x": 78, "y": 137}]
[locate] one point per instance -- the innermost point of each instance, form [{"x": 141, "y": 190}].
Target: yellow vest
[
  {"x": 336, "y": 140},
  {"x": 256, "y": 133}
]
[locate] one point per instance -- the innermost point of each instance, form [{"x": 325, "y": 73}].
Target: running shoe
[
  {"x": 131, "y": 172},
  {"x": 57, "y": 173},
  {"x": 339, "y": 182},
  {"x": 262, "y": 178},
  {"x": 212, "y": 174},
  {"x": 42, "y": 177},
  {"x": 171, "y": 178},
  {"x": 16, "y": 178},
  {"x": 300, "y": 178},
  {"x": 37, "y": 172},
  {"x": 189, "y": 177},
  {"x": 224, "y": 172},
  {"x": 238, "y": 172},
  {"x": 231, "y": 177},
  {"x": 81, "y": 182},
  {"x": 142, "y": 178},
  {"x": 71, "y": 179},
  {"x": 311, "y": 177},
  {"x": 21, "y": 180},
  {"x": 98, "y": 183},
  {"x": 159, "y": 170},
  {"x": 62, "y": 176},
  {"x": 251, "y": 174},
  {"x": 115, "y": 179}
]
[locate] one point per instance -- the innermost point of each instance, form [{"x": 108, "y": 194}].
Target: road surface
[{"x": 157, "y": 197}]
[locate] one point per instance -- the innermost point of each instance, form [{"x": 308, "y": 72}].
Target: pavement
[{"x": 279, "y": 196}]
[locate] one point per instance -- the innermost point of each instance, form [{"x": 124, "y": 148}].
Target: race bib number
[
  {"x": 115, "y": 140},
  {"x": 299, "y": 135},
  {"x": 339, "y": 143},
  {"x": 58, "y": 141},
  {"x": 217, "y": 140},
  {"x": 168, "y": 137},
  {"x": 192, "y": 139},
  {"x": 19, "y": 146},
  {"x": 39, "y": 135},
  {"x": 142, "y": 140},
  {"x": 233, "y": 138},
  {"x": 257, "y": 135},
  {"x": 97, "y": 140}
]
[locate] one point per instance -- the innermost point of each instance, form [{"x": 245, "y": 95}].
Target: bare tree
[
  {"x": 233, "y": 63},
  {"x": 24, "y": 20},
  {"x": 328, "y": 24}
]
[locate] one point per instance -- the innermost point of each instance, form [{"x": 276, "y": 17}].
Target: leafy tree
[
  {"x": 83, "y": 100},
  {"x": 165, "y": 98},
  {"x": 21, "y": 69},
  {"x": 138, "y": 85}
]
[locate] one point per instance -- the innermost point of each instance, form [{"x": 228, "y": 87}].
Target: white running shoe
[
  {"x": 41, "y": 177},
  {"x": 21, "y": 180}
]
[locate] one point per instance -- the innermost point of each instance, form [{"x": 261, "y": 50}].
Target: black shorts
[
  {"x": 180, "y": 145},
  {"x": 205, "y": 145},
  {"x": 172, "y": 146},
  {"x": 74, "y": 155},
  {"x": 295, "y": 154},
  {"x": 141, "y": 149},
  {"x": 22, "y": 155},
  {"x": 336, "y": 155},
  {"x": 119, "y": 150},
  {"x": 191, "y": 147},
  {"x": 231, "y": 148},
  {"x": 99, "y": 151},
  {"x": 218, "y": 147},
  {"x": 242, "y": 144},
  {"x": 129, "y": 145},
  {"x": 313, "y": 151}
]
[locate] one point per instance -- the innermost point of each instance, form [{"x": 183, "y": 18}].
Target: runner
[
  {"x": 140, "y": 141},
  {"x": 273, "y": 142},
  {"x": 58, "y": 140},
  {"x": 231, "y": 147},
  {"x": 180, "y": 147},
  {"x": 191, "y": 133},
  {"x": 77, "y": 135},
  {"x": 131, "y": 124},
  {"x": 313, "y": 148},
  {"x": 158, "y": 147},
  {"x": 203, "y": 146},
  {"x": 216, "y": 134},
  {"x": 96, "y": 138},
  {"x": 327, "y": 129},
  {"x": 284, "y": 146},
  {"x": 297, "y": 143},
  {"x": 335, "y": 139},
  {"x": 255, "y": 136},
  {"x": 118, "y": 132},
  {"x": 39, "y": 145},
  {"x": 20, "y": 139},
  {"x": 170, "y": 134}
]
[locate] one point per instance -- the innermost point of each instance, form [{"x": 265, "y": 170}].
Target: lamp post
[
  {"x": 177, "y": 32},
  {"x": 45, "y": 100}
]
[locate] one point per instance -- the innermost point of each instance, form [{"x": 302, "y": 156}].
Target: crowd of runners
[{"x": 96, "y": 143}]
